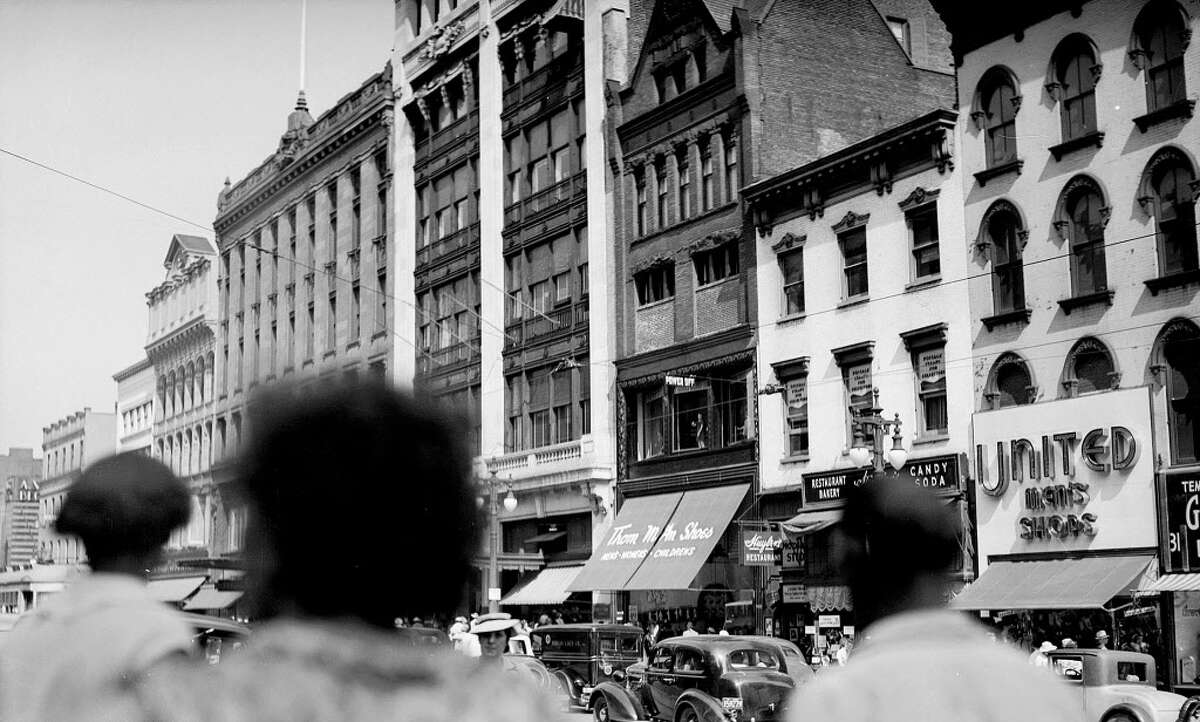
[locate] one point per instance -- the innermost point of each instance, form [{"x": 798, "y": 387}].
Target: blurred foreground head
[
  {"x": 124, "y": 508},
  {"x": 897, "y": 542},
  {"x": 361, "y": 503}
]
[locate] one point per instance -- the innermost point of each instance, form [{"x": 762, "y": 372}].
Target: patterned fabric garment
[
  {"x": 320, "y": 670},
  {"x": 933, "y": 666}
]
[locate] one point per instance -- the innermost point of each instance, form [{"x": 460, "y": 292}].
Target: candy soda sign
[{"x": 758, "y": 548}]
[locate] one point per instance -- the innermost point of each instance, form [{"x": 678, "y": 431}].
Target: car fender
[
  {"x": 707, "y": 708},
  {"x": 567, "y": 684},
  {"x": 1136, "y": 711},
  {"x": 623, "y": 705}
]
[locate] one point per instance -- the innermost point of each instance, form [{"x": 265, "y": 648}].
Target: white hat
[
  {"x": 1047, "y": 647},
  {"x": 493, "y": 622}
]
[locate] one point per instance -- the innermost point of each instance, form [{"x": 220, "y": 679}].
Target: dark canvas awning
[
  {"x": 697, "y": 525},
  {"x": 807, "y": 522},
  {"x": 1087, "y": 583},
  {"x": 174, "y": 590},
  {"x": 626, "y": 544}
]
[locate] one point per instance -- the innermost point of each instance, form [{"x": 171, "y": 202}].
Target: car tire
[
  {"x": 1120, "y": 717},
  {"x": 600, "y": 709},
  {"x": 687, "y": 714}
]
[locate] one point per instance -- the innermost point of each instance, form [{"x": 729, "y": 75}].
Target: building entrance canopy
[
  {"x": 661, "y": 541},
  {"x": 1087, "y": 583}
]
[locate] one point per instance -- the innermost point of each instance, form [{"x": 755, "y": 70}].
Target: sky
[{"x": 158, "y": 100}]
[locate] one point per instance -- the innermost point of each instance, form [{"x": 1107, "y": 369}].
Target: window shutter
[
  {"x": 560, "y": 128},
  {"x": 562, "y": 388},
  {"x": 444, "y": 189},
  {"x": 562, "y": 254},
  {"x": 537, "y": 141},
  {"x": 540, "y": 263},
  {"x": 539, "y": 389},
  {"x": 585, "y": 379}
]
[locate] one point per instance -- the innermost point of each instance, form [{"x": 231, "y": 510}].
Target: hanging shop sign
[
  {"x": 829, "y": 620},
  {"x": 790, "y": 554},
  {"x": 758, "y": 547},
  {"x": 682, "y": 381},
  {"x": 794, "y": 594},
  {"x": 1182, "y": 550},
  {"x": 1065, "y": 475},
  {"x": 936, "y": 472}
]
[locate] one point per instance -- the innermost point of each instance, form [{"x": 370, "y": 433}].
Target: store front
[
  {"x": 812, "y": 604},
  {"x": 674, "y": 559},
  {"x": 1066, "y": 521},
  {"x": 1179, "y": 584}
]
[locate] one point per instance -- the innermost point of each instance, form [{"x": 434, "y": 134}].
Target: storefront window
[
  {"x": 690, "y": 414},
  {"x": 1187, "y": 637}
]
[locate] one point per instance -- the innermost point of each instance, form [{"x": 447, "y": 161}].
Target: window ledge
[
  {"x": 329, "y": 354},
  {"x": 1096, "y": 138},
  {"x": 307, "y": 362},
  {"x": 1020, "y": 315},
  {"x": 352, "y": 345},
  {"x": 1087, "y": 299},
  {"x": 930, "y": 439},
  {"x": 922, "y": 283},
  {"x": 1173, "y": 280},
  {"x": 1013, "y": 166},
  {"x": 800, "y": 459},
  {"x": 855, "y": 301},
  {"x": 378, "y": 334},
  {"x": 782, "y": 320},
  {"x": 654, "y": 304},
  {"x": 1178, "y": 109}
]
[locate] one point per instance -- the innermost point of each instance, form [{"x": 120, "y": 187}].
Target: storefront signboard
[
  {"x": 758, "y": 547},
  {"x": 791, "y": 554},
  {"x": 935, "y": 472},
  {"x": 794, "y": 594},
  {"x": 1068, "y": 475},
  {"x": 1182, "y": 552},
  {"x": 829, "y": 620}
]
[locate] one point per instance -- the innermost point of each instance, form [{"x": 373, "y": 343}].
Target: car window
[
  {"x": 753, "y": 659},
  {"x": 689, "y": 660},
  {"x": 1132, "y": 672},
  {"x": 622, "y": 644},
  {"x": 662, "y": 657},
  {"x": 574, "y": 641},
  {"x": 1069, "y": 668}
]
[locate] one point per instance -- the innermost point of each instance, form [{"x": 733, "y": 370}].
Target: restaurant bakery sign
[{"x": 936, "y": 472}]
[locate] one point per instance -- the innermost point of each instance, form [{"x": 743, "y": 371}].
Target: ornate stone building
[{"x": 68, "y": 445}]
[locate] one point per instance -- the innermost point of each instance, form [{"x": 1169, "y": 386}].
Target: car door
[
  {"x": 691, "y": 672},
  {"x": 660, "y": 676}
]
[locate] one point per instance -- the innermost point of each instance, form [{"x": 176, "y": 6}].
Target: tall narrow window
[
  {"x": 332, "y": 192},
  {"x": 355, "y": 310},
  {"x": 1075, "y": 70},
  {"x": 292, "y": 259},
  {"x": 796, "y": 397},
  {"x": 356, "y": 209},
  {"x": 1086, "y": 229},
  {"x": 707, "y": 195},
  {"x": 999, "y": 106},
  {"x": 931, "y": 391},
  {"x": 663, "y": 191},
  {"x": 732, "y": 181},
  {"x": 639, "y": 181},
  {"x": 854, "y": 262},
  {"x": 791, "y": 265},
  {"x": 1008, "y": 275},
  {"x": 1178, "y": 356},
  {"x": 858, "y": 384},
  {"x": 1160, "y": 31},
  {"x": 900, "y": 30},
  {"x": 311, "y": 212},
  {"x": 926, "y": 256},
  {"x": 1174, "y": 208},
  {"x": 539, "y": 409},
  {"x": 683, "y": 188},
  {"x": 381, "y": 302}
]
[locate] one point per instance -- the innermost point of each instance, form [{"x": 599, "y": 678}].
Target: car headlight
[{"x": 578, "y": 682}]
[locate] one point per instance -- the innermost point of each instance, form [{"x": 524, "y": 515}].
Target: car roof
[
  {"x": 721, "y": 641},
  {"x": 203, "y": 621},
  {"x": 583, "y": 626}
]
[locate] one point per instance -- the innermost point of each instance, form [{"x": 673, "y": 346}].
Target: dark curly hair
[
  {"x": 124, "y": 504},
  {"x": 360, "y": 503}
]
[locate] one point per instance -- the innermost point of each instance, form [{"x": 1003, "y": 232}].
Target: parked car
[
  {"x": 215, "y": 636},
  {"x": 424, "y": 637},
  {"x": 584, "y": 655},
  {"x": 794, "y": 663},
  {"x": 543, "y": 677},
  {"x": 1113, "y": 686},
  {"x": 704, "y": 678}
]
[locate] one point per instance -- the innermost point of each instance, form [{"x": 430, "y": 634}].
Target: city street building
[
  {"x": 180, "y": 345},
  {"x": 136, "y": 389},
  {"x": 68, "y": 445},
  {"x": 1078, "y": 160},
  {"x": 859, "y": 268},
  {"x": 20, "y": 477},
  {"x": 719, "y": 97},
  {"x": 506, "y": 237},
  {"x": 303, "y": 274}
]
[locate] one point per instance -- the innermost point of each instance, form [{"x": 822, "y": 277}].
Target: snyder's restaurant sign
[
  {"x": 758, "y": 547},
  {"x": 1066, "y": 473}
]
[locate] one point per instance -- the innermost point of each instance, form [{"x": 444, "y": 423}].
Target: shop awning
[
  {"x": 211, "y": 599},
  {"x": 829, "y": 598},
  {"x": 543, "y": 538},
  {"x": 1087, "y": 583},
  {"x": 174, "y": 590},
  {"x": 807, "y": 522},
  {"x": 1173, "y": 583},
  {"x": 549, "y": 586},
  {"x": 626, "y": 544},
  {"x": 698, "y": 524}
]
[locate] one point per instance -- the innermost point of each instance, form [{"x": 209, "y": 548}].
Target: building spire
[{"x": 303, "y": 47}]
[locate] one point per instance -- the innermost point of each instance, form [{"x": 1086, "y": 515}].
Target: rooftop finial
[{"x": 301, "y": 102}]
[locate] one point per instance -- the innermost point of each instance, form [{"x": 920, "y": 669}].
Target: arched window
[
  {"x": 1159, "y": 39},
  {"x": 1010, "y": 383},
  {"x": 1081, "y": 218},
  {"x": 1004, "y": 233},
  {"x": 1167, "y": 191},
  {"x": 997, "y": 104},
  {"x": 1075, "y": 71},
  {"x": 1089, "y": 368},
  {"x": 1176, "y": 364}
]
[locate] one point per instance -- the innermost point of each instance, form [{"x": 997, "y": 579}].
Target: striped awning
[
  {"x": 829, "y": 598},
  {"x": 548, "y": 587},
  {"x": 174, "y": 590},
  {"x": 207, "y": 599},
  {"x": 565, "y": 9},
  {"x": 1173, "y": 583}
]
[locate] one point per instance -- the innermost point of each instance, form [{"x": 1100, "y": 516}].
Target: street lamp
[
  {"x": 510, "y": 503},
  {"x": 871, "y": 422}
]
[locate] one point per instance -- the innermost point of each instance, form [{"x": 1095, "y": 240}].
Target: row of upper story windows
[
  {"x": 63, "y": 459},
  {"x": 677, "y": 186},
  {"x": 137, "y": 418},
  {"x": 186, "y": 386},
  {"x": 710, "y": 266},
  {"x": 1157, "y": 47},
  {"x": 1167, "y": 190}
]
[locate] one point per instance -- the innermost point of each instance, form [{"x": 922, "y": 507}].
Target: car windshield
[
  {"x": 753, "y": 659},
  {"x": 625, "y": 644}
]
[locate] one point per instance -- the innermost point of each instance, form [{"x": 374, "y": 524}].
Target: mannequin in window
[{"x": 698, "y": 430}]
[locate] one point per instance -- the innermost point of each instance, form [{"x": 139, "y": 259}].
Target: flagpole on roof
[{"x": 303, "y": 40}]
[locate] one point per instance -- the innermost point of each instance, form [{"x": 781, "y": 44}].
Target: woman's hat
[
  {"x": 1047, "y": 647},
  {"x": 1102, "y": 634},
  {"x": 493, "y": 622}
]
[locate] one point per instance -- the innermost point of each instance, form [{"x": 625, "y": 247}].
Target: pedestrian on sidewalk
[{"x": 105, "y": 630}]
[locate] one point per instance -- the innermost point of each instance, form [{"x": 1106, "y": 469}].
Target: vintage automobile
[
  {"x": 584, "y": 655},
  {"x": 794, "y": 663},
  {"x": 215, "y": 636},
  {"x": 703, "y": 678},
  {"x": 425, "y": 637},
  {"x": 1113, "y": 686},
  {"x": 542, "y": 677}
]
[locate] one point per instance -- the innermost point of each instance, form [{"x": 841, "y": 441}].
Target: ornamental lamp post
[
  {"x": 510, "y": 503},
  {"x": 870, "y": 423}
]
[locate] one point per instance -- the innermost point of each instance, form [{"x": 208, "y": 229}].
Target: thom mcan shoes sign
[{"x": 1068, "y": 474}]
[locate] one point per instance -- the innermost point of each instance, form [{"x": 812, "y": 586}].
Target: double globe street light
[
  {"x": 510, "y": 503},
  {"x": 870, "y": 423}
]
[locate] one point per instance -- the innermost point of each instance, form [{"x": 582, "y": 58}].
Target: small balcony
[
  {"x": 556, "y": 320},
  {"x": 544, "y": 460},
  {"x": 558, "y": 71},
  {"x": 545, "y": 199},
  {"x": 446, "y": 245},
  {"x": 449, "y": 356},
  {"x": 459, "y": 130}
]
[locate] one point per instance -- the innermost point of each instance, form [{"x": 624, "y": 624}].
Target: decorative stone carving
[
  {"x": 851, "y": 220},
  {"x": 441, "y": 39},
  {"x": 1139, "y": 58},
  {"x": 788, "y": 242},
  {"x": 1096, "y": 70},
  {"x": 1055, "y": 89},
  {"x": 919, "y": 197}
]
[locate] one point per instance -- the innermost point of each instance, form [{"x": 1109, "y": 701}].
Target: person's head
[
  {"x": 896, "y": 542},
  {"x": 689, "y": 624},
  {"x": 124, "y": 508},
  {"x": 1069, "y": 643},
  {"x": 1101, "y": 638},
  {"x": 374, "y": 468},
  {"x": 493, "y": 631}
]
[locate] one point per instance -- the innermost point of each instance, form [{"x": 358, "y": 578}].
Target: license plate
[{"x": 732, "y": 704}]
